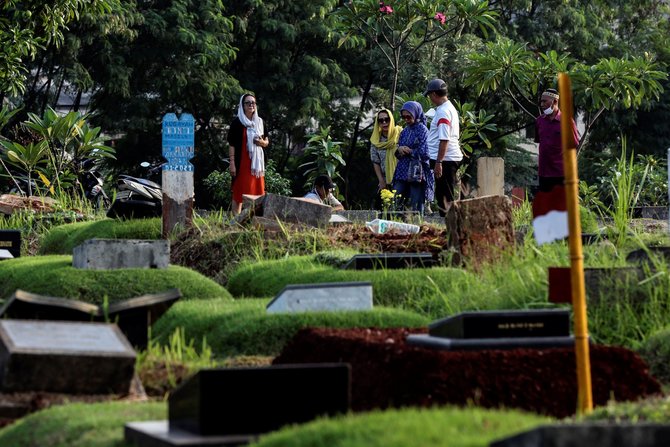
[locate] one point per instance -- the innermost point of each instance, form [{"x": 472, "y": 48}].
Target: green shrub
[
  {"x": 652, "y": 410},
  {"x": 54, "y": 276},
  {"x": 245, "y": 328}
]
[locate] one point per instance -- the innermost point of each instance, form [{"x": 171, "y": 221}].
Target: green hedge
[
  {"x": 54, "y": 276},
  {"x": 245, "y": 328}
]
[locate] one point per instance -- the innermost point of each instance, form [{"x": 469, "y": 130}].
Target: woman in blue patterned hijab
[{"x": 413, "y": 145}]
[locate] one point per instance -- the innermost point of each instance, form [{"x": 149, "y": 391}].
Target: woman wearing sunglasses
[
  {"x": 384, "y": 140},
  {"x": 413, "y": 178},
  {"x": 247, "y": 141}
]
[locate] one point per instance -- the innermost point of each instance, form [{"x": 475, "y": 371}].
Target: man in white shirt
[
  {"x": 443, "y": 144},
  {"x": 323, "y": 193}
]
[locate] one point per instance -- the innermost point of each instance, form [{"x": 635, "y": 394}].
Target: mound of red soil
[{"x": 386, "y": 372}]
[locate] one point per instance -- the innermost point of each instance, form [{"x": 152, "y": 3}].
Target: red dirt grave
[{"x": 387, "y": 372}]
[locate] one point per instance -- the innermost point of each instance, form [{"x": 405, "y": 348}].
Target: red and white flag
[{"x": 550, "y": 215}]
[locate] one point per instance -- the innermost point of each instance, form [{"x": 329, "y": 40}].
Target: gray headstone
[
  {"x": 5, "y": 254},
  {"x": 64, "y": 357},
  {"x": 296, "y": 210},
  {"x": 107, "y": 254},
  {"x": 323, "y": 297},
  {"x": 600, "y": 434},
  {"x": 134, "y": 316}
]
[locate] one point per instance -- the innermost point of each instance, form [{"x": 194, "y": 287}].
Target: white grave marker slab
[{"x": 324, "y": 297}]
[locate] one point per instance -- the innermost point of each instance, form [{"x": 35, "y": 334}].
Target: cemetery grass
[
  {"x": 244, "y": 328},
  {"x": 54, "y": 276}
]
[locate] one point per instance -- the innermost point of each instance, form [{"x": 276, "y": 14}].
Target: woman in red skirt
[{"x": 247, "y": 141}]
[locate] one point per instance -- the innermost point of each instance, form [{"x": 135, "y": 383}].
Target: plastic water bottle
[{"x": 381, "y": 226}]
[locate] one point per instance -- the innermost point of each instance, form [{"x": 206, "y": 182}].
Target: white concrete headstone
[{"x": 323, "y": 297}]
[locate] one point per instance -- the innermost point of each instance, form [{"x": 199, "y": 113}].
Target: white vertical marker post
[{"x": 178, "y": 191}]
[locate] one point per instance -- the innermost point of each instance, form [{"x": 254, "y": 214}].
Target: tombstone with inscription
[
  {"x": 178, "y": 190},
  {"x": 64, "y": 357},
  {"x": 510, "y": 329},
  {"x": 134, "y": 316},
  {"x": 390, "y": 261},
  {"x": 10, "y": 241},
  {"x": 323, "y": 297}
]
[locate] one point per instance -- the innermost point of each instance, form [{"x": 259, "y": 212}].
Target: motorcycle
[
  {"x": 90, "y": 181},
  {"x": 137, "y": 197}
]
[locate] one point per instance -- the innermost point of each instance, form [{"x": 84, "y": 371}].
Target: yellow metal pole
[{"x": 585, "y": 400}]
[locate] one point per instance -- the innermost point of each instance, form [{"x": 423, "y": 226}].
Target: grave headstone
[
  {"x": 600, "y": 434},
  {"x": 160, "y": 434},
  {"x": 597, "y": 281},
  {"x": 323, "y": 297},
  {"x": 503, "y": 324},
  {"x": 537, "y": 329},
  {"x": 390, "y": 261},
  {"x": 133, "y": 316},
  {"x": 10, "y": 240},
  {"x": 5, "y": 254},
  {"x": 177, "y": 177},
  {"x": 490, "y": 176},
  {"x": 108, "y": 254},
  {"x": 64, "y": 357},
  {"x": 250, "y": 401},
  {"x": 296, "y": 210}
]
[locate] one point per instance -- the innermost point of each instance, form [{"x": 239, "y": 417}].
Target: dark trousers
[{"x": 445, "y": 185}]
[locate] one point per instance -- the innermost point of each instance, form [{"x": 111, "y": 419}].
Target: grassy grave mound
[
  {"x": 244, "y": 328},
  {"x": 387, "y": 372},
  {"x": 64, "y": 238},
  {"x": 435, "y": 292},
  {"x": 54, "y": 276},
  {"x": 80, "y": 425},
  {"x": 656, "y": 352},
  {"x": 439, "y": 427}
]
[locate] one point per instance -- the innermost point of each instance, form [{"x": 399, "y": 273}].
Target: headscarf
[
  {"x": 390, "y": 144},
  {"x": 254, "y": 129},
  {"x": 415, "y": 109}
]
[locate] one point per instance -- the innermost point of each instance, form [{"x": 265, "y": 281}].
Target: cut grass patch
[
  {"x": 244, "y": 328},
  {"x": 54, "y": 276},
  {"x": 80, "y": 425},
  {"x": 64, "y": 238}
]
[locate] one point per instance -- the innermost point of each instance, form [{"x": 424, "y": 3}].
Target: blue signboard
[{"x": 178, "y": 142}]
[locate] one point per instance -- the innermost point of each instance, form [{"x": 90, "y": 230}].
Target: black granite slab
[
  {"x": 503, "y": 324},
  {"x": 159, "y": 434},
  {"x": 390, "y": 261},
  {"x": 480, "y": 344},
  {"x": 11, "y": 240},
  {"x": 595, "y": 434},
  {"x": 250, "y": 401}
]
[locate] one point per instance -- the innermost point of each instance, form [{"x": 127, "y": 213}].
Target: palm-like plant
[
  {"x": 26, "y": 158},
  {"x": 325, "y": 155}
]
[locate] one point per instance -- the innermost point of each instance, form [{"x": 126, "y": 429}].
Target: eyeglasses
[
  {"x": 406, "y": 117},
  {"x": 384, "y": 120},
  {"x": 249, "y": 103}
]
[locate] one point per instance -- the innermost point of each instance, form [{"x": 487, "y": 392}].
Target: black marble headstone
[
  {"x": 248, "y": 401},
  {"x": 600, "y": 434},
  {"x": 133, "y": 316},
  {"x": 390, "y": 261},
  {"x": 11, "y": 240},
  {"x": 503, "y": 324}
]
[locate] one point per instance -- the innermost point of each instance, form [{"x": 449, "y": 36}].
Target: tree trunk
[{"x": 354, "y": 136}]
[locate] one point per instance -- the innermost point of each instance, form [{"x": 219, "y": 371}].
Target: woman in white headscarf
[{"x": 247, "y": 141}]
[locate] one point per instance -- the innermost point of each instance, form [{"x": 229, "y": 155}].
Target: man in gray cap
[{"x": 443, "y": 146}]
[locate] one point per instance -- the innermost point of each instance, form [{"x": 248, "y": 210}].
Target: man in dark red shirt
[{"x": 548, "y": 134}]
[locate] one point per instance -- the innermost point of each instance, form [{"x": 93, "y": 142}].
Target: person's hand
[
  {"x": 438, "y": 169},
  {"x": 382, "y": 184},
  {"x": 262, "y": 142},
  {"x": 404, "y": 150},
  {"x": 231, "y": 168}
]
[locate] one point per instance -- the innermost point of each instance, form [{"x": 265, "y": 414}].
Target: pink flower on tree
[
  {"x": 440, "y": 17},
  {"x": 386, "y": 9}
]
